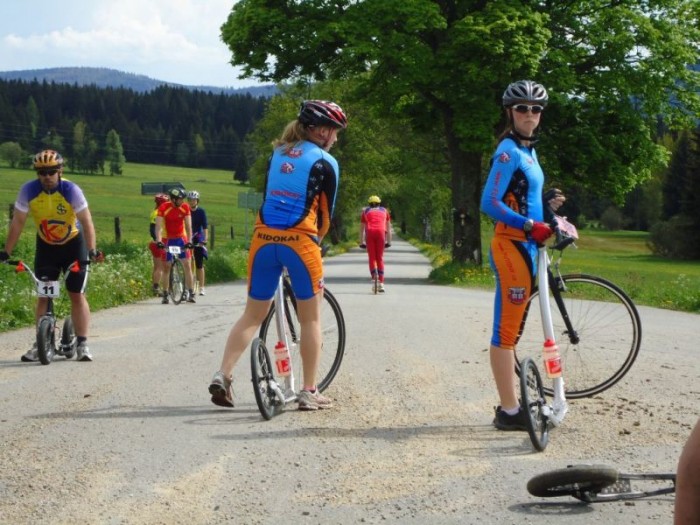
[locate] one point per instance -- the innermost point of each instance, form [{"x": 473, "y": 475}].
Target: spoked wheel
[
  {"x": 177, "y": 281},
  {"x": 262, "y": 373},
  {"x": 375, "y": 284},
  {"x": 580, "y": 481},
  {"x": 604, "y": 340},
  {"x": 532, "y": 402},
  {"x": 69, "y": 342},
  {"x": 45, "y": 340},
  {"x": 332, "y": 335}
]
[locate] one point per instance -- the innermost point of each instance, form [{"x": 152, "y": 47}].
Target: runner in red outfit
[{"x": 375, "y": 235}]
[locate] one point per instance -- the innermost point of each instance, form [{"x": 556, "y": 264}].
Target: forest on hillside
[{"x": 169, "y": 125}]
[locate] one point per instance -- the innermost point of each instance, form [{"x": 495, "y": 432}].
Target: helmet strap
[{"x": 522, "y": 137}]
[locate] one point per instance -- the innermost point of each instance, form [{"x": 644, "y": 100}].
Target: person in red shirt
[
  {"x": 175, "y": 217},
  {"x": 375, "y": 235}
]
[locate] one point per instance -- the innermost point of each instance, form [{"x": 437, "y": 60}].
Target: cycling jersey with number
[{"x": 54, "y": 212}]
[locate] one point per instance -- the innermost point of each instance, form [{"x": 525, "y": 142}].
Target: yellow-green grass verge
[{"x": 622, "y": 257}]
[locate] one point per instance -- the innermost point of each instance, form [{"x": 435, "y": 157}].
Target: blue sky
[{"x": 171, "y": 40}]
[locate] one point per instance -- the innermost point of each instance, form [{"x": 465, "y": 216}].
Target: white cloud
[{"x": 173, "y": 40}]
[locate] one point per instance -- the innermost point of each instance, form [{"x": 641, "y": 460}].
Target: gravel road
[{"x": 132, "y": 438}]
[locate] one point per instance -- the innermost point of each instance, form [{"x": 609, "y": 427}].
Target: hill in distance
[{"x": 105, "y": 77}]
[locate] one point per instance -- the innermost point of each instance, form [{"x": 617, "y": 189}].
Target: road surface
[{"x": 132, "y": 438}]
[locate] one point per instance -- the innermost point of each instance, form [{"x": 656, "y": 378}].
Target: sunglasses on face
[
  {"x": 47, "y": 173},
  {"x": 524, "y": 108}
]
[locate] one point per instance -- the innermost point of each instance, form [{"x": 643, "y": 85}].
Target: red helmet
[
  {"x": 322, "y": 113},
  {"x": 160, "y": 198}
]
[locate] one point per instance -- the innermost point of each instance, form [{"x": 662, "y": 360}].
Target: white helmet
[{"x": 193, "y": 195}]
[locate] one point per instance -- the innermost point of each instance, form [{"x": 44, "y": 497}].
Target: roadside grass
[
  {"x": 621, "y": 257},
  {"x": 120, "y": 196}
]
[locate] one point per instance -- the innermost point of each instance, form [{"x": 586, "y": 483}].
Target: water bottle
[
  {"x": 552, "y": 359},
  {"x": 282, "y": 360}
]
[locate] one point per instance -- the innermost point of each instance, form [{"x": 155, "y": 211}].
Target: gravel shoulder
[{"x": 132, "y": 438}]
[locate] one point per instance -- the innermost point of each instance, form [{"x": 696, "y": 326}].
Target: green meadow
[
  {"x": 120, "y": 196},
  {"x": 622, "y": 257}
]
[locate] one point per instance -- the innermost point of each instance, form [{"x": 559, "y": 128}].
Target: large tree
[{"x": 611, "y": 67}]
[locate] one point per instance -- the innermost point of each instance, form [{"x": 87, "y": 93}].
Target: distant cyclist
[
  {"x": 200, "y": 234},
  {"x": 375, "y": 235},
  {"x": 157, "y": 253},
  {"x": 174, "y": 216},
  {"x": 65, "y": 233}
]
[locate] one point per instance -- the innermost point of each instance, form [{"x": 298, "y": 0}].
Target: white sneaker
[
  {"x": 313, "y": 401},
  {"x": 84, "y": 352},
  {"x": 32, "y": 355},
  {"x": 381, "y": 287},
  {"x": 202, "y": 292}
]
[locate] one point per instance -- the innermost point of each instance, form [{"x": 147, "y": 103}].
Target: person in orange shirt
[
  {"x": 375, "y": 235},
  {"x": 175, "y": 218}
]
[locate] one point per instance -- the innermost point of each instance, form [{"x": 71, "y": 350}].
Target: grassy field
[
  {"x": 621, "y": 257},
  {"x": 120, "y": 196}
]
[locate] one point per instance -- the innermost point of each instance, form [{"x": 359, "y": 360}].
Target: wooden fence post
[{"x": 117, "y": 230}]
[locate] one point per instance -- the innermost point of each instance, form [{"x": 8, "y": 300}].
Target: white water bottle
[
  {"x": 282, "y": 360},
  {"x": 552, "y": 359}
]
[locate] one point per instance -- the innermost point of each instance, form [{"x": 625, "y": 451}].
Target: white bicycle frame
[
  {"x": 558, "y": 409},
  {"x": 286, "y": 392}
]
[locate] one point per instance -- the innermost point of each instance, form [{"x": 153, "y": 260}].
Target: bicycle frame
[
  {"x": 286, "y": 393},
  {"x": 557, "y": 411}
]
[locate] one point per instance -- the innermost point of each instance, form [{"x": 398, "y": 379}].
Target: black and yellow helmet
[
  {"x": 48, "y": 159},
  {"x": 374, "y": 199}
]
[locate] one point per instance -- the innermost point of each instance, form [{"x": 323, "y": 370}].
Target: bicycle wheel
[
  {"x": 177, "y": 281},
  {"x": 262, "y": 372},
  {"x": 532, "y": 400},
  {"x": 605, "y": 340},
  {"x": 45, "y": 340},
  {"x": 375, "y": 284},
  {"x": 579, "y": 481},
  {"x": 69, "y": 342},
  {"x": 332, "y": 335}
]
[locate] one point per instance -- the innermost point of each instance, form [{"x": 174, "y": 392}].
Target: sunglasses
[
  {"x": 524, "y": 108},
  {"x": 47, "y": 173}
]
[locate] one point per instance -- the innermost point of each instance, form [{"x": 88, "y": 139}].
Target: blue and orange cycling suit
[
  {"x": 59, "y": 241},
  {"x": 299, "y": 200},
  {"x": 377, "y": 221},
  {"x": 512, "y": 195}
]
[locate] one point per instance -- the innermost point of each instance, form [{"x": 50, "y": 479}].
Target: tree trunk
[{"x": 466, "y": 198}]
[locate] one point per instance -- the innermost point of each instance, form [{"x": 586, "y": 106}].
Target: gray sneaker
[
  {"x": 32, "y": 355},
  {"x": 221, "y": 390},
  {"x": 313, "y": 400},
  {"x": 84, "y": 352}
]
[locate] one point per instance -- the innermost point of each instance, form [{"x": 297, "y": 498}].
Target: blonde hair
[{"x": 293, "y": 133}]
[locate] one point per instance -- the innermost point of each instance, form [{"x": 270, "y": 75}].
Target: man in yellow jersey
[{"x": 65, "y": 233}]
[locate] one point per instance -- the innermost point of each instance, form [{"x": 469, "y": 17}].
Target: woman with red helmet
[{"x": 299, "y": 200}]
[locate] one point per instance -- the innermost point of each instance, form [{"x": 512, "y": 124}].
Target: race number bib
[{"x": 48, "y": 288}]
